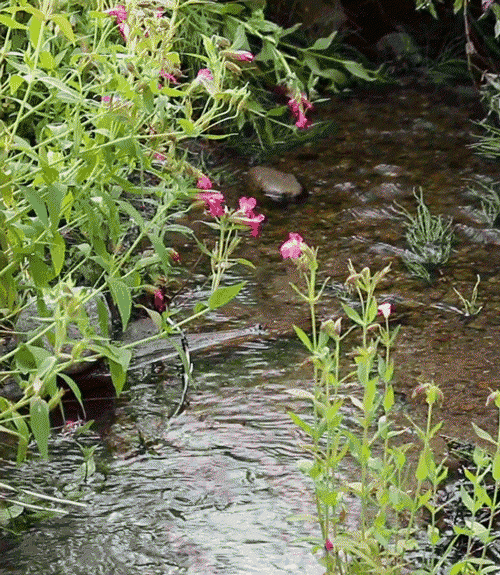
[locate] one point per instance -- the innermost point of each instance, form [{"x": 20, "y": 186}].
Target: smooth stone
[
  {"x": 280, "y": 187},
  {"x": 29, "y": 322}
]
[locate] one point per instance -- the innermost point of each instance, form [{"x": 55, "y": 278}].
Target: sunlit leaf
[
  {"x": 40, "y": 424},
  {"x": 223, "y": 295}
]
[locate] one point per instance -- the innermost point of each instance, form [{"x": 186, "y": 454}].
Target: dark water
[{"x": 211, "y": 490}]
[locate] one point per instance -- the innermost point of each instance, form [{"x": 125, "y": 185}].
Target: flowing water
[{"x": 212, "y": 490}]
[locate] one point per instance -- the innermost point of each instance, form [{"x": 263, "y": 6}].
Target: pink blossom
[
  {"x": 385, "y": 309},
  {"x": 246, "y": 216},
  {"x": 106, "y": 99},
  {"x": 204, "y": 183},
  {"x": 159, "y": 301},
  {"x": 292, "y": 248},
  {"x": 159, "y": 157},
  {"x": 118, "y": 12},
  {"x": 213, "y": 202},
  {"x": 205, "y": 75},
  {"x": 247, "y": 205},
  {"x": 299, "y": 109},
  {"x": 168, "y": 76},
  {"x": 302, "y": 122},
  {"x": 252, "y": 221},
  {"x": 174, "y": 254},
  {"x": 239, "y": 55},
  {"x": 328, "y": 545}
]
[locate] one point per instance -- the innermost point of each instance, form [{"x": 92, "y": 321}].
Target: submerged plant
[
  {"x": 488, "y": 195},
  {"x": 470, "y": 307},
  {"x": 429, "y": 239}
]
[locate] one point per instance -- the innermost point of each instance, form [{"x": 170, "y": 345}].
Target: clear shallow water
[{"x": 212, "y": 494}]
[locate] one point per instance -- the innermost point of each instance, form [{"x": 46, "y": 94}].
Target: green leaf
[
  {"x": 119, "y": 369},
  {"x": 121, "y": 296},
  {"x": 47, "y": 60},
  {"x": 37, "y": 204},
  {"x": 245, "y": 262},
  {"x": 57, "y": 251},
  {"x": 352, "y": 314},
  {"x": 483, "y": 434},
  {"x": 223, "y": 295},
  {"x": 40, "y": 424},
  {"x": 64, "y": 26},
  {"x": 39, "y": 270},
  {"x": 103, "y": 315},
  {"x": 324, "y": 43},
  {"x": 496, "y": 467},
  {"x": 301, "y": 423},
  {"x": 11, "y": 23},
  {"x": 187, "y": 126},
  {"x": 304, "y": 338},
  {"x": 74, "y": 388},
  {"x": 35, "y": 29},
  {"x": 357, "y": 70},
  {"x": 14, "y": 82}
]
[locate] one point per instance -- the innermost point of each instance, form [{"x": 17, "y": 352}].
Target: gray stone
[
  {"x": 76, "y": 304},
  {"x": 278, "y": 186}
]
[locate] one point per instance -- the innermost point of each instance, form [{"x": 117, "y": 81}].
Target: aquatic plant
[
  {"x": 429, "y": 239},
  {"x": 470, "y": 307},
  {"x": 488, "y": 194},
  {"x": 397, "y": 525}
]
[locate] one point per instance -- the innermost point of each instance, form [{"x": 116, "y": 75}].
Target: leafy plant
[
  {"x": 397, "y": 525},
  {"x": 470, "y": 307},
  {"x": 429, "y": 238}
]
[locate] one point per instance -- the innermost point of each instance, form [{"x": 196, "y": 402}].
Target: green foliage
[
  {"x": 399, "y": 526},
  {"x": 429, "y": 238},
  {"x": 98, "y": 115}
]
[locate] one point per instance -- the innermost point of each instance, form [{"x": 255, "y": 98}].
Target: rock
[
  {"x": 79, "y": 305},
  {"x": 279, "y": 187}
]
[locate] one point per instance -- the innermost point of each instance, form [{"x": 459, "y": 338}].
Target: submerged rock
[
  {"x": 280, "y": 187},
  {"x": 78, "y": 311}
]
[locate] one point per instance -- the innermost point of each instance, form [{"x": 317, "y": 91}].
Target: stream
[{"x": 212, "y": 491}]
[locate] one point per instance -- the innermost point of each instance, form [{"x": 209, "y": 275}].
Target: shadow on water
[{"x": 211, "y": 490}]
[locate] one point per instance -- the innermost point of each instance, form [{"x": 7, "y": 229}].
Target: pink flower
[
  {"x": 328, "y": 545},
  {"x": 385, "y": 309},
  {"x": 159, "y": 301},
  {"x": 246, "y": 216},
  {"x": 205, "y": 75},
  {"x": 106, "y": 99},
  {"x": 159, "y": 157},
  {"x": 299, "y": 109},
  {"x": 292, "y": 248},
  {"x": 239, "y": 55},
  {"x": 247, "y": 205},
  {"x": 118, "y": 12},
  {"x": 213, "y": 202},
  {"x": 174, "y": 254},
  {"x": 252, "y": 221},
  {"x": 302, "y": 122},
  {"x": 168, "y": 76},
  {"x": 204, "y": 183}
]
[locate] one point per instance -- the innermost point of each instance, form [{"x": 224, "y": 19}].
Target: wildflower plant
[{"x": 385, "y": 516}]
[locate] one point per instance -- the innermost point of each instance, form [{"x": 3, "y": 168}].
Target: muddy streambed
[{"x": 212, "y": 491}]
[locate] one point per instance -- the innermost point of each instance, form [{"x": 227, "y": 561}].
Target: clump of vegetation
[
  {"x": 488, "y": 194},
  {"x": 404, "y": 520},
  {"x": 429, "y": 240}
]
